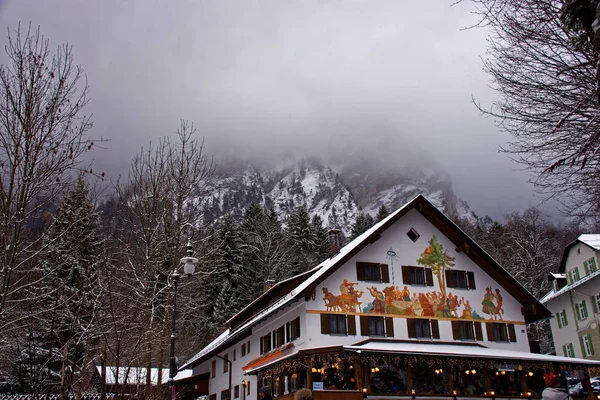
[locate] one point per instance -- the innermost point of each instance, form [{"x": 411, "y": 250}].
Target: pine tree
[
  {"x": 362, "y": 224},
  {"x": 301, "y": 237},
  {"x": 320, "y": 238},
  {"x": 74, "y": 242},
  {"x": 382, "y": 213}
]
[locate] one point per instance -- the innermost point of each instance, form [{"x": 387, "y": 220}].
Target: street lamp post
[{"x": 189, "y": 263}]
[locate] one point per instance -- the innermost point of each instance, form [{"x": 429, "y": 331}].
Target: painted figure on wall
[
  {"x": 405, "y": 301},
  {"x": 438, "y": 260}
]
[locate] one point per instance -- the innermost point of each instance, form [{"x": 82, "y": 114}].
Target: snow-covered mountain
[{"x": 337, "y": 193}]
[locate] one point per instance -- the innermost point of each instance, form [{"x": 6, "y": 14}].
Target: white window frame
[
  {"x": 586, "y": 345},
  {"x": 563, "y": 317},
  {"x": 581, "y": 306},
  {"x": 573, "y": 275},
  {"x": 568, "y": 348}
]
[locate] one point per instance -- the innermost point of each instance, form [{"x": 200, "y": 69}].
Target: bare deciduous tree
[
  {"x": 545, "y": 74},
  {"x": 43, "y": 135}
]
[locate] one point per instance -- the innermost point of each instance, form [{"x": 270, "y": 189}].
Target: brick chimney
[{"x": 334, "y": 242}]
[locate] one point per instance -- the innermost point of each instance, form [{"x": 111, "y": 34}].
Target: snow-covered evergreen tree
[
  {"x": 362, "y": 224},
  {"x": 74, "y": 247}
]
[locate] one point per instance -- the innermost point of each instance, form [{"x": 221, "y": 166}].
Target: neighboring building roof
[
  {"x": 590, "y": 240},
  {"x": 137, "y": 375},
  {"x": 532, "y": 308},
  {"x": 552, "y": 294}
]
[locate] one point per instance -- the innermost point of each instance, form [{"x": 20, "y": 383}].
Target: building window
[
  {"x": 466, "y": 330},
  {"x": 248, "y": 347},
  {"x": 372, "y": 272},
  {"x": 568, "y": 350},
  {"x": 279, "y": 337},
  {"x": 225, "y": 395},
  {"x": 561, "y": 318},
  {"x": 213, "y": 396},
  {"x": 236, "y": 391},
  {"x": 417, "y": 276},
  {"x": 248, "y": 388},
  {"x": 376, "y": 326},
  {"x": 581, "y": 310},
  {"x": 225, "y": 363},
  {"x": 243, "y": 349},
  {"x": 423, "y": 328},
  {"x": 596, "y": 303},
  {"x": 460, "y": 279},
  {"x": 293, "y": 329},
  {"x": 500, "y": 332},
  {"x": 213, "y": 368},
  {"x": 590, "y": 266},
  {"x": 265, "y": 343},
  {"x": 413, "y": 235},
  {"x": 338, "y": 324},
  {"x": 587, "y": 348},
  {"x": 573, "y": 275}
]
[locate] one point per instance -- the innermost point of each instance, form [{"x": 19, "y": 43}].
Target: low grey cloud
[{"x": 278, "y": 77}]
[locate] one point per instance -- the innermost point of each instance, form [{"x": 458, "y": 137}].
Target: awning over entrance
[{"x": 462, "y": 351}]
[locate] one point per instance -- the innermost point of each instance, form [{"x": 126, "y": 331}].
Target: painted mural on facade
[{"x": 397, "y": 300}]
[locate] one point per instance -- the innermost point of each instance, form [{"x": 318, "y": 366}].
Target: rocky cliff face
[{"x": 337, "y": 193}]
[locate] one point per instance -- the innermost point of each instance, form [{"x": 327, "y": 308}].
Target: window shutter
[
  {"x": 577, "y": 273},
  {"x": 325, "y": 323},
  {"x": 389, "y": 327},
  {"x": 435, "y": 329},
  {"x": 586, "y": 268},
  {"x": 360, "y": 271},
  {"x": 364, "y": 325},
  {"x": 565, "y": 315},
  {"x": 428, "y": 277},
  {"x": 584, "y": 312},
  {"x": 589, "y": 337},
  {"x": 385, "y": 273},
  {"x": 351, "y": 325},
  {"x": 288, "y": 332},
  {"x": 572, "y": 350},
  {"x": 583, "y": 352},
  {"x": 456, "y": 330},
  {"x": 478, "y": 332},
  {"x": 577, "y": 311},
  {"x": 558, "y": 320},
  {"x": 450, "y": 281},
  {"x": 412, "y": 331},
  {"x": 568, "y": 278},
  {"x": 248, "y": 348},
  {"x": 565, "y": 350},
  {"x": 406, "y": 275},
  {"x": 512, "y": 335},
  {"x": 594, "y": 304},
  {"x": 262, "y": 341},
  {"x": 471, "y": 280},
  {"x": 593, "y": 264},
  {"x": 490, "y": 332}
]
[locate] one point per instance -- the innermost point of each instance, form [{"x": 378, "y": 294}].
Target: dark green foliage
[
  {"x": 382, "y": 213},
  {"x": 362, "y": 224}
]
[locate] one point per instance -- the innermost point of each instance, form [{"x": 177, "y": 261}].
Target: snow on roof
[
  {"x": 557, "y": 275},
  {"x": 137, "y": 375},
  {"x": 464, "y": 351},
  {"x": 210, "y": 347},
  {"x": 321, "y": 269},
  {"x": 592, "y": 240},
  {"x": 552, "y": 294}
]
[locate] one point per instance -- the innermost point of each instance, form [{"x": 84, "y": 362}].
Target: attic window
[{"x": 413, "y": 235}]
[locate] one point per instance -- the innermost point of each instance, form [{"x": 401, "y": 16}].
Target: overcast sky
[{"x": 289, "y": 75}]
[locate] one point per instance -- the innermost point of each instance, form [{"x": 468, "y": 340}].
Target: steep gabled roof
[
  {"x": 590, "y": 240},
  {"x": 532, "y": 309}
]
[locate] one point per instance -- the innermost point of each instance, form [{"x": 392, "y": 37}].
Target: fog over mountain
[{"x": 347, "y": 81}]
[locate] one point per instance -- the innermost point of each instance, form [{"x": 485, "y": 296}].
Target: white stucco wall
[
  {"x": 566, "y": 301},
  {"x": 407, "y": 253}
]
